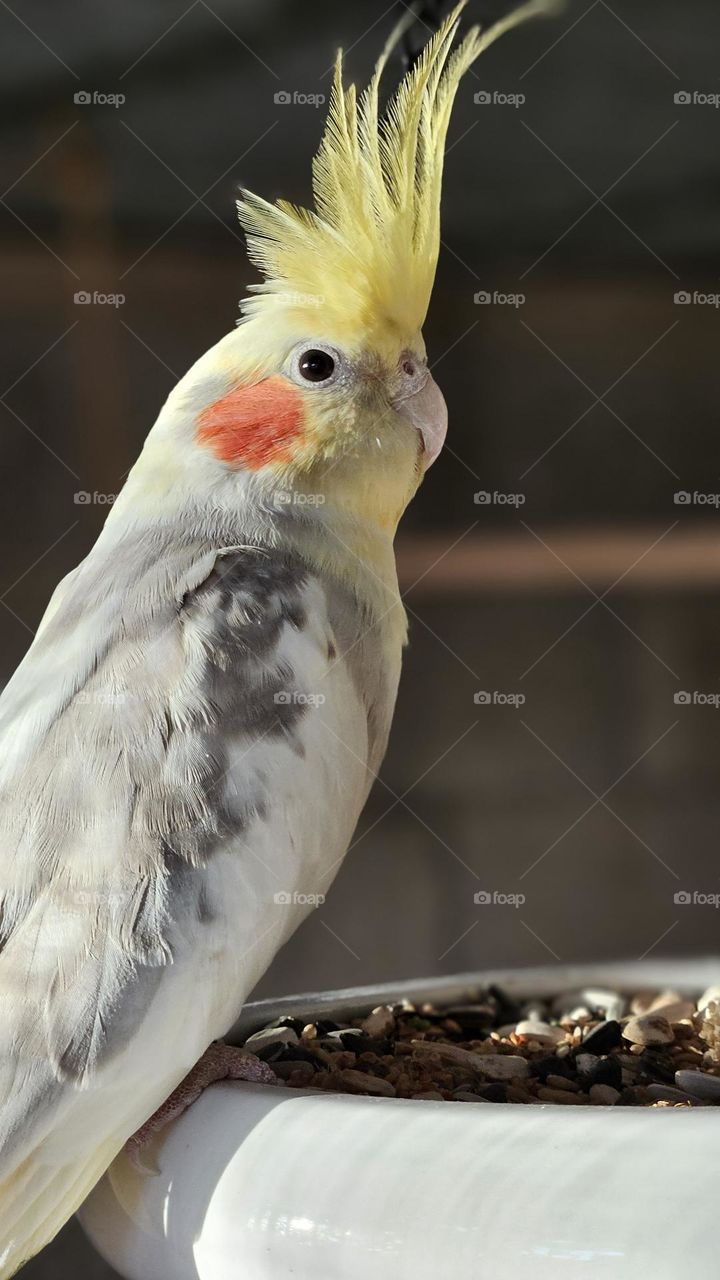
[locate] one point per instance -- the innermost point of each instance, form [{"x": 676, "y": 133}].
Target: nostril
[{"x": 408, "y": 367}]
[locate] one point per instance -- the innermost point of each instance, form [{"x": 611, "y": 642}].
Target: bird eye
[{"x": 316, "y": 365}]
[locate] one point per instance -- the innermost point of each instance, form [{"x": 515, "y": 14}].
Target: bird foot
[{"x": 219, "y": 1062}]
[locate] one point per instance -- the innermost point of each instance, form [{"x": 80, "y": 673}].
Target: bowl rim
[
  {"x": 686, "y": 976},
  {"x": 624, "y": 976}
]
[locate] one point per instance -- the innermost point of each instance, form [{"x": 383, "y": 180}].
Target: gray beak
[{"x": 427, "y": 411}]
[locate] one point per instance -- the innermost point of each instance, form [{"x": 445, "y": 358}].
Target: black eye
[{"x": 316, "y": 366}]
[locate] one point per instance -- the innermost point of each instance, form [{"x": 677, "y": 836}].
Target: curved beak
[{"x": 427, "y": 411}]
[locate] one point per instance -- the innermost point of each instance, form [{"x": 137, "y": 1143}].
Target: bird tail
[{"x": 37, "y": 1198}]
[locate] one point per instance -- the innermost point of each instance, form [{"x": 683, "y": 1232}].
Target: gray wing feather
[{"x": 114, "y": 735}]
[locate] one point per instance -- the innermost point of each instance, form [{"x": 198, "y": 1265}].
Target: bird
[{"x": 188, "y": 743}]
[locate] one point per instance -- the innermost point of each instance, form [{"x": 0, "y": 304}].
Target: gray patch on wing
[
  {"x": 240, "y": 611},
  {"x": 130, "y": 778}
]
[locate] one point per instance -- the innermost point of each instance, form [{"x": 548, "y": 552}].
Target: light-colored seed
[
  {"x": 541, "y": 1032},
  {"x": 648, "y": 1029},
  {"x": 709, "y": 996},
  {"x": 381, "y": 1022}
]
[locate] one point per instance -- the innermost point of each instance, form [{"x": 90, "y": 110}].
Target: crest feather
[{"x": 365, "y": 259}]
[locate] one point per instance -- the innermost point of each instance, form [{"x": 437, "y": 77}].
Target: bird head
[{"x": 325, "y": 388}]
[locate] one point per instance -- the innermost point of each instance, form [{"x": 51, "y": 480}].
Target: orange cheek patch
[{"x": 253, "y": 426}]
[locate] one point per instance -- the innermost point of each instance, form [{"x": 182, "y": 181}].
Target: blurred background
[{"x": 557, "y": 729}]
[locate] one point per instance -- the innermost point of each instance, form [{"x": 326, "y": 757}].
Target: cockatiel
[{"x": 186, "y": 748}]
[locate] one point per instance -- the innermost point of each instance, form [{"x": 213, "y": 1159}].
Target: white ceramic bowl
[{"x": 260, "y": 1182}]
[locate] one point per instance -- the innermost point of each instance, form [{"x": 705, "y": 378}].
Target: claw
[
  {"x": 134, "y": 1148},
  {"x": 219, "y": 1062}
]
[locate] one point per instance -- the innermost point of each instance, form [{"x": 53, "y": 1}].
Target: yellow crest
[{"x": 361, "y": 267}]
